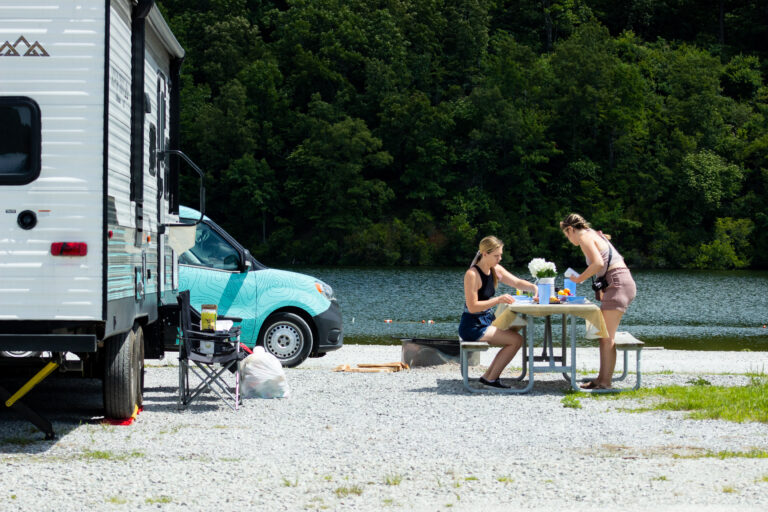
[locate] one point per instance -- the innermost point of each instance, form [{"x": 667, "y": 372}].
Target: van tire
[
  {"x": 288, "y": 337},
  {"x": 121, "y": 371}
]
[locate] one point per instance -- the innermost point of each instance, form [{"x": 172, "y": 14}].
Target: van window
[
  {"x": 19, "y": 140},
  {"x": 211, "y": 250}
]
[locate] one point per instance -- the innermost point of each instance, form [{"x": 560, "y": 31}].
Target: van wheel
[
  {"x": 287, "y": 337},
  {"x": 121, "y": 375}
]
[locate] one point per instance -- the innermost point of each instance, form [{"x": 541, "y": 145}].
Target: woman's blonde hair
[
  {"x": 574, "y": 220},
  {"x": 486, "y": 246}
]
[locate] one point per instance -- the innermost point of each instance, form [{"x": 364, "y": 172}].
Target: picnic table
[{"x": 522, "y": 314}]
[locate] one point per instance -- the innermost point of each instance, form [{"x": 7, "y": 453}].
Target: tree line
[{"x": 399, "y": 132}]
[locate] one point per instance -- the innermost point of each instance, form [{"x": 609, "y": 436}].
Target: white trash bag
[{"x": 262, "y": 376}]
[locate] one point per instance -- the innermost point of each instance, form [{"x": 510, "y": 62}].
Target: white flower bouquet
[{"x": 539, "y": 268}]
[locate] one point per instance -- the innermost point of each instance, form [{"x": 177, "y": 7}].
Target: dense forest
[{"x": 399, "y": 132}]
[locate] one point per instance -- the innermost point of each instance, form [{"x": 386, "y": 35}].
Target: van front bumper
[{"x": 329, "y": 331}]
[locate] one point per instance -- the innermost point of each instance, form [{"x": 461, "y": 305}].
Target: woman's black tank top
[{"x": 487, "y": 289}]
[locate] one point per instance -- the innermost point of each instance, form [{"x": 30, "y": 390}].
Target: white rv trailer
[{"x": 88, "y": 114}]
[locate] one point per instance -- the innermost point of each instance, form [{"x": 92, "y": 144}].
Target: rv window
[
  {"x": 211, "y": 250},
  {"x": 19, "y": 140}
]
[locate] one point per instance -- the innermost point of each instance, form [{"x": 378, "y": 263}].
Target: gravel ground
[{"x": 412, "y": 440}]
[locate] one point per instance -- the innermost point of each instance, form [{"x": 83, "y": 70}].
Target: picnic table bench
[{"x": 623, "y": 340}]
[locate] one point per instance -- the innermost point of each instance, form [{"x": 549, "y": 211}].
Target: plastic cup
[
  {"x": 567, "y": 283},
  {"x": 545, "y": 291}
]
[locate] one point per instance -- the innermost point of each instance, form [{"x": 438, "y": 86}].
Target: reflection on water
[{"x": 695, "y": 310}]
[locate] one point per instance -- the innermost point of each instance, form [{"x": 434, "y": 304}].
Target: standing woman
[
  {"x": 480, "y": 282},
  {"x": 602, "y": 260}
]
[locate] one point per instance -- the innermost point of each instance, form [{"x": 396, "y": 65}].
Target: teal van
[{"x": 293, "y": 316}]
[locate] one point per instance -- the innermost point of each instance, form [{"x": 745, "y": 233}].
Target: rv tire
[
  {"x": 121, "y": 372},
  {"x": 139, "y": 348}
]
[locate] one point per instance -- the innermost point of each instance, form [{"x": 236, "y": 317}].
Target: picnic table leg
[
  {"x": 524, "y": 371},
  {"x": 574, "y": 385},
  {"x": 564, "y": 344},
  {"x": 637, "y": 355},
  {"x": 623, "y": 373}
]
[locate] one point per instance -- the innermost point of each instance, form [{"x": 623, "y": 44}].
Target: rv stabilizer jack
[{"x": 13, "y": 400}]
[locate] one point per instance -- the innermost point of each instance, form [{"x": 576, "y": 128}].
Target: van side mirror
[{"x": 247, "y": 265}]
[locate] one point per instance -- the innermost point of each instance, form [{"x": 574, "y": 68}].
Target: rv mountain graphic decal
[{"x": 22, "y": 48}]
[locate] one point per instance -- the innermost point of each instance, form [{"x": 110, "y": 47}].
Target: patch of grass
[
  {"x": 505, "y": 479},
  {"x": 660, "y": 478},
  {"x": 738, "y": 403},
  {"x": 729, "y": 489},
  {"x": 388, "y": 502},
  {"x": 471, "y": 479},
  {"x": 327, "y": 478},
  {"x": 117, "y": 500},
  {"x": 699, "y": 381},
  {"x": 343, "y": 492},
  {"x": 393, "y": 479},
  {"x": 570, "y": 400},
  {"x": 18, "y": 440},
  {"x": 107, "y": 455},
  {"x": 288, "y": 483},
  {"x": 754, "y": 453},
  {"x": 159, "y": 499},
  {"x": 316, "y": 503}
]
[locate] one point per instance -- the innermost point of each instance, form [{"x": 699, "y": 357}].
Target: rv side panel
[{"x": 53, "y": 54}]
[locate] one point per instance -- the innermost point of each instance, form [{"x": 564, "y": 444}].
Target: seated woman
[
  {"x": 479, "y": 289},
  {"x": 602, "y": 260}
]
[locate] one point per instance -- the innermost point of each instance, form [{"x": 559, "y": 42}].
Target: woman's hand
[{"x": 505, "y": 299}]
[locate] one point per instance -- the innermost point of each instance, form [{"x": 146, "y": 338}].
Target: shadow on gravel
[
  {"x": 166, "y": 399},
  {"x": 69, "y": 403},
  {"x": 66, "y": 402},
  {"x": 456, "y": 387}
]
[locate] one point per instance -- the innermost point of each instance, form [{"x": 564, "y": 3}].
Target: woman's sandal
[
  {"x": 593, "y": 385},
  {"x": 493, "y": 383}
]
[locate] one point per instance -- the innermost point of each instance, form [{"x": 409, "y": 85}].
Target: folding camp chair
[{"x": 200, "y": 352}]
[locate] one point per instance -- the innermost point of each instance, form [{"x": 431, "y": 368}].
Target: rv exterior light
[{"x": 69, "y": 248}]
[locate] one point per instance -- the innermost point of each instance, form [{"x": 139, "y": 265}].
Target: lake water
[{"x": 689, "y": 310}]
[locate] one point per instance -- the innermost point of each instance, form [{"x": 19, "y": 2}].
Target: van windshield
[{"x": 211, "y": 250}]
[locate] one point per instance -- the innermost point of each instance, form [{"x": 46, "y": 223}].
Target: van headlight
[{"x": 325, "y": 290}]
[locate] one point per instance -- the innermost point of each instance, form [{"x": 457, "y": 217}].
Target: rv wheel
[
  {"x": 121, "y": 371},
  {"x": 287, "y": 337},
  {"x": 139, "y": 348}
]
